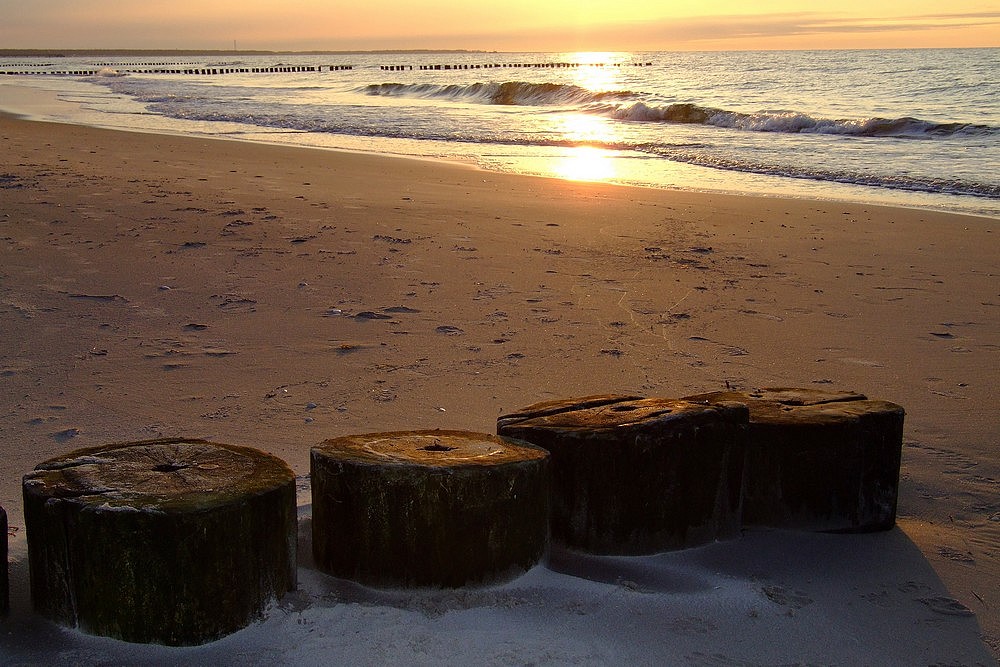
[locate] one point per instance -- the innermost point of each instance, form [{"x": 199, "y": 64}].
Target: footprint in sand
[
  {"x": 371, "y": 315},
  {"x": 947, "y": 606},
  {"x": 913, "y": 587},
  {"x": 691, "y": 626},
  {"x": 234, "y": 303},
  {"x": 956, "y": 555},
  {"x": 216, "y": 352},
  {"x": 786, "y": 597},
  {"x": 66, "y": 435}
]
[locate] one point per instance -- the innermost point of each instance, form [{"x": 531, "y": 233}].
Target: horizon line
[{"x": 60, "y": 52}]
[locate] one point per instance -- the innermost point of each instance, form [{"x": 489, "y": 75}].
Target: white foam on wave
[
  {"x": 520, "y": 93},
  {"x": 108, "y": 72},
  {"x": 796, "y": 122}
]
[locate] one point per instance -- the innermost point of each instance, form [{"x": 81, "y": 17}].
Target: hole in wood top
[
  {"x": 438, "y": 447},
  {"x": 170, "y": 467}
]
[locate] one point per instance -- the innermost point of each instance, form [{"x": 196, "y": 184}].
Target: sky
[{"x": 500, "y": 25}]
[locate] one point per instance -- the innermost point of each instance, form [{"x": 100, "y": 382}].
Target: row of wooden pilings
[
  {"x": 77, "y": 72},
  {"x": 100, "y": 64},
  {"x": 139, "y": 64},
  {"x": 205, "y": 71},
  {"x": 180, "y": 541},
  {"x": 214, "y": 71},
  {"x": 436, "y": 67}
]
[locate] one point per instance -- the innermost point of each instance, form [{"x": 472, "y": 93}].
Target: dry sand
[{"x": 274, "y": 297}]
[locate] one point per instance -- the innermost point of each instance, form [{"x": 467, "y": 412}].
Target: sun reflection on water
[
  {"x": 588, "y": 157},
  {"x": 585, "y": 163},
  {"x": 597, "y": 71}
]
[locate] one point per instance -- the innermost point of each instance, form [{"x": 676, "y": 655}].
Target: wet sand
[{"x": 274, "y": 297}]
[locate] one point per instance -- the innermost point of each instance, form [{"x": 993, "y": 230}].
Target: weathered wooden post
[
  {"x": 428, "y": 508},
  {"x": 635, "y": 476},
  {"x": 819, "y": 460},
  {"x": 174, "y": 541}
]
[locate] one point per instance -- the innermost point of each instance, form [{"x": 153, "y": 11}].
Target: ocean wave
[
  {"x": 628, "y": 106},
  {"x": 691, "y": 153},
  {"x": 798, "y": 123},
  {"x": 536, "y": 126},
  {"x": 936, "y": 185},
  {"x": 520, "y": 93},
  {"x": 106, "y": 72}
]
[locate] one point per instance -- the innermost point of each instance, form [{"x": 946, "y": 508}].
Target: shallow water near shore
[{"x": 916, "y": 128}]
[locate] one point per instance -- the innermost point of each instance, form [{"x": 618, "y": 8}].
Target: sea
[{"x": 915, "y": 128}]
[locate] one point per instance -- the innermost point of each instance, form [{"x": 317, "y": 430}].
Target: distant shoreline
[{"x": 70, "y": 53}]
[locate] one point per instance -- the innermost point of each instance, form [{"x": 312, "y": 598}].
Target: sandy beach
[{"x": 274, "y": 297}]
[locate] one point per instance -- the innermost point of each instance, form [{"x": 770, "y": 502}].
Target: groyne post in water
[{"x": 161, "y": 68}]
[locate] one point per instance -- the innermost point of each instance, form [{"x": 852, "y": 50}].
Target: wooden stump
[
  {"x": 819, "y": 460},
  {"x": 428, "y": 508},
  {"x": 176, "y": 542},
  {"x": 4, "y": 576},
  {"x": 560, "y": 405},
  {"x": 636, "y": 476}
]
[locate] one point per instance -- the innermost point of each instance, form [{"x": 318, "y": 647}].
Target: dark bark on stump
[
  {"x": 635, "y": 476},
  {"x": 176, "y": 542},
  {"x": 428, "y": 508},
  {"x": 4, "y": 576},
  {"x": 819, "y": 460}
]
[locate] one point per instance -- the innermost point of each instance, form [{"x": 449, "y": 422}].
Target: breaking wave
[
  {"x": 631, "y": 106},
  {"x": 691, "y": 153},
  {"x": 106, "y": 72},
  {"x": 798, "y": 123},
  {"x": 776, "y": 142},
  {"x": 519, "y": 93}
]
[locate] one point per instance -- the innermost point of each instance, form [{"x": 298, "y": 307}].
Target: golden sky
[{"x": 502, "y": 25}]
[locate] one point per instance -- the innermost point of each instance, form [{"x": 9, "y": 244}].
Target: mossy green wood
[
  {"x": 819, "y": 460},
  {"x": 176, "y": 542},
  {"x": 634, "y": 476},
  {"x": 4, "y": 575},
  {"x": 428, "y": 508}
]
